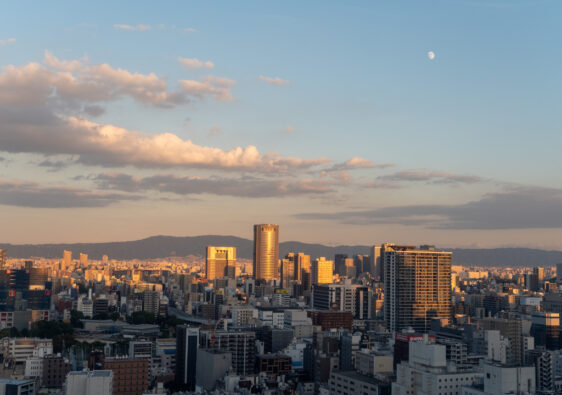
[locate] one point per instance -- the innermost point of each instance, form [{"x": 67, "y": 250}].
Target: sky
[{"x": 357, "y": 122}]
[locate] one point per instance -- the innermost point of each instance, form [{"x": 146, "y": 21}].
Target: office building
[
  {"x": 240, "y": 344},
  {"x": 322, "y": 271},
  {"x": 427, "y": 372},
  {"x": 212, "y": 366},
  {"x": 2, "y": 259},
  {"x": 545, "y": 329},
  {"x": 510, "y": 329},
  {"x": 287, "y": 272},
  {"x": 83, "y": 260},
  {"x": 266, "y": 251},
  {"x": 221, "y": 262},
  {"x": 130, "y": 376},
  {"x": 54, "y": 371},
  {"x": 332, "y": 319},
  {"x": 417, "y": 287},
  {"x": 377, "y": 269},
  {"x": 501, "y": 379},
  {"x": 17, "y": 387},
  {"x": 353, "y": 383},
  {"x": 95, "y": 382},
  {"x": 67, "y": 258},
  {"x": 301, "y": 262},
  {"x": 344, "y": 297},
  {"x": 187, "y": 343}
]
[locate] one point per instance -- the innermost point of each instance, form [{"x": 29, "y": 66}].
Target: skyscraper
[
  {"x": 221, "y": 262},
  {"x": 301, "y": 262},
  {"x": 266, "y": 251},
  {"x": 376, "y": 263},
  {"x": 187, "y": 343},
  {"x": 417, "y": 287},
  {"x": 67, "y": 258},
  {"x": 2, "y": 259},
  {"x": 83, "y": 260},
  {"x": 322, "y": 271}
]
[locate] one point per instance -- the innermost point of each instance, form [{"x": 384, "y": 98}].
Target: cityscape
[
  {"x": 357, "y": 197},
  {"x": 401, "y": 320}
]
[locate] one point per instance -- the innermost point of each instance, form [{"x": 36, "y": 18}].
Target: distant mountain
[{"x": 166, "y": 246}]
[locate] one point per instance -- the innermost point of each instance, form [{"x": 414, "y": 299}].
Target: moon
[{"x": 431, "y": 55}]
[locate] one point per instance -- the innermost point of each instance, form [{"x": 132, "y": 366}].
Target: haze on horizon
[{"x": 343, "y": 122}]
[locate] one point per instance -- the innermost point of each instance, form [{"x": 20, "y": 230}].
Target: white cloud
[
  {"x": 76, "y": 82},
  {"x": 190, "y": 30},
  {"x": 195, "y": 63},
  {"x": 289, "y": 129},
  {"x": 274, "y": 81},
  {"x": 7, "y": 41},
  {"x": 137, "y": 28}
]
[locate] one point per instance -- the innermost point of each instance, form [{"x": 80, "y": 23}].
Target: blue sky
[{"x": 474, "y": 131}]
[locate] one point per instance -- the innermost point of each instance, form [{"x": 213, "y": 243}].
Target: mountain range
[{"x": 168, "y": 246}]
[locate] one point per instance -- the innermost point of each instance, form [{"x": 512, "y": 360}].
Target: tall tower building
[
  {"x": 221, "y": 262},
  {"x": 83, "y": 260},
  {"x": 2, "y": 259},
  {"x": 266, "y": 251},
  {"x": 417, "y": 287},
  {"x": 322, "y": 271},
  {"x": 376, "y": 263},
  {"x": 187, "y": 343},
  {"x": 67, "y": 258},
  {"x": 301, "y": 262}
]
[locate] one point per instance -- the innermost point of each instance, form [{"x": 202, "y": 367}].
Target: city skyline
[{"x": 344, "y": 123}]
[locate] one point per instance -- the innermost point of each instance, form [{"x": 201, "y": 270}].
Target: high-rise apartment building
[
  {"x": 83, "y": 260},
  {"x": 187, "y": 343},
  {"x": 287, "y": 269},
  {"x": 221, "y": 262},
  {"x": 417, "y": 286},
  {"x": 266, "y": 251},
  {"x": 2, "y": 259},
  {"x": 322, "y": 271}
]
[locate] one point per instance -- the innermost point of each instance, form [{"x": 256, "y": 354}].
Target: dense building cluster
[{"x": 402, "y": 320}]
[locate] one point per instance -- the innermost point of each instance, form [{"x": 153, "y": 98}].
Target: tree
[{"x": 75, "y": 319}]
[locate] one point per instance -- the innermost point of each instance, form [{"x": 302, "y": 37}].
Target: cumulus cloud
[
  {"x": 133, "y": 28},
  {"x": 430, "y": 176},
  {"x": 28, "y": 194},
  {"x": 239, "y": 187},
  {"x": 6, "y": 41},
  {"x": 190, "y": 30},
  {"x": 76, "y": 83},
  {"x": 194, "y": 63},
  {"x": 108, "y": 145},
  {"x": 274, "y": 81},
  {"x": 514, "y": 208}
]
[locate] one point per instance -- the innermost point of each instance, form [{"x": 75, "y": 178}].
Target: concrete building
[
  {"x": 240, "y": 344},
  {"x": 212, "y": 365},
  {"x": 427, "y": 372},
  {"x": 221, "y": 262},
  {"x": 417, "y": 286},
  {"x": 500, "y": 379},
  {"x": 373, "y": 363},
  {"x": 95, "y": 382},
  {"x": 301, "y": 262},
  {"x": 322, "y": 271},
  {"x": 54, "y": 371},
  {"x": 130, "y": 376},
  {"x": 545, "y": 329},
  {"x": 140, "y": 349},
  {"x": 243, "y": 316},
  {"x": 17, "y": 387},
  {"x": 266, "y": 251},
  {"x": 20, "y": 348},
  {"x": 352, "y": 383},
  {"x": 344, "y": 297},
  {"x": 510, "y": 329}
]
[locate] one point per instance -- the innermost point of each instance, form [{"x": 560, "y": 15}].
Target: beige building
[
  {"x": 266, "y": 251},
  {"x": 322, "y": 271},
  {"x": 221, "y": 262}
]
